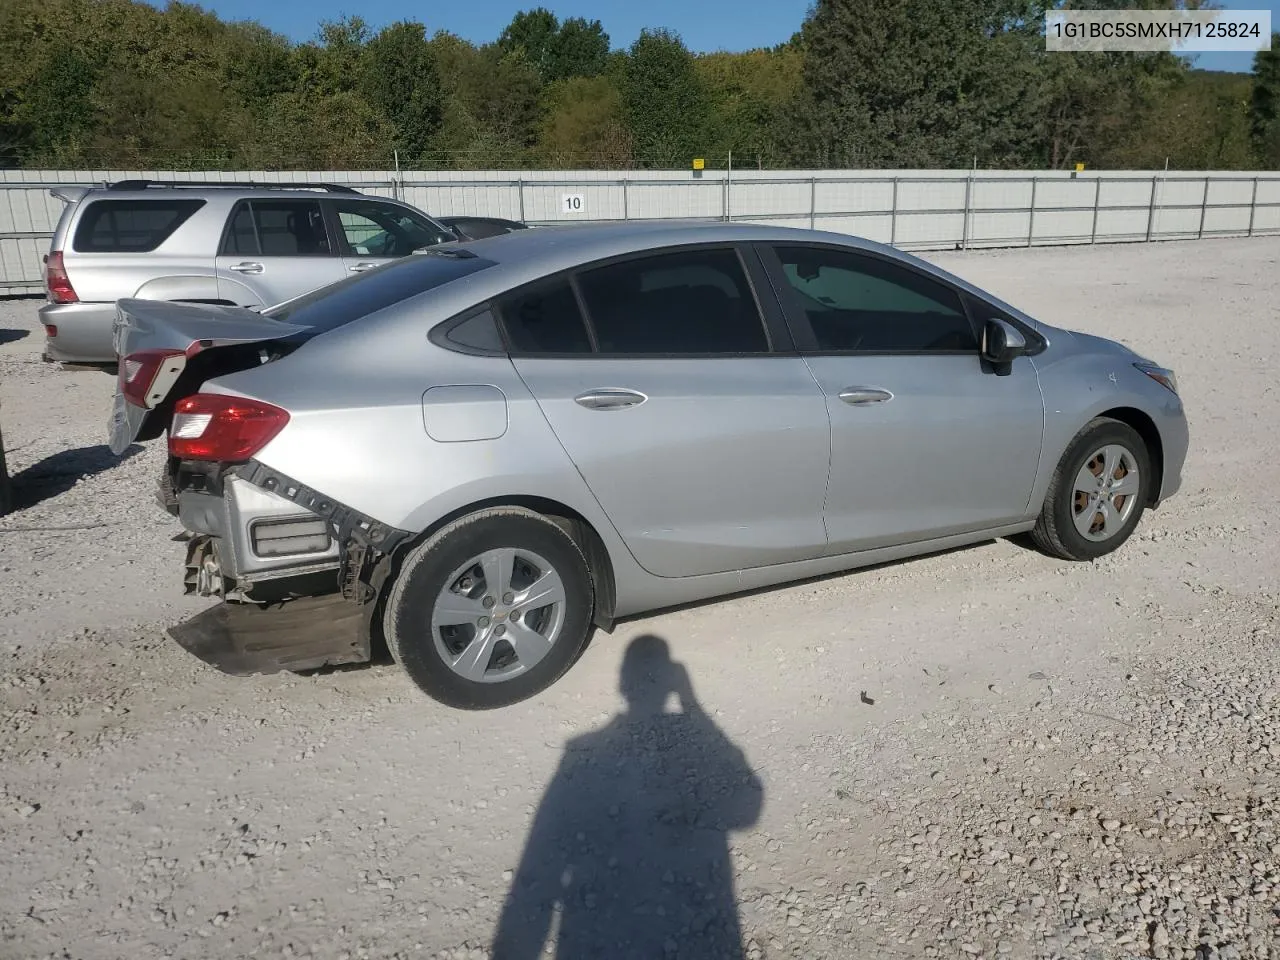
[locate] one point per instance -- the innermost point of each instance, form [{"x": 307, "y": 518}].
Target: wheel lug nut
[
  {"x": 488, "y": 601},
  {"x": 482, "y": 622},
  {"x": 515, "y": 614},
  {"x": 499, "y": 630},
  {"x": 508, "y": 598}
]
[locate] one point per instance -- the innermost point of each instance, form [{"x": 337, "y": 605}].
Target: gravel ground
[{"x": 983, "y": 753}]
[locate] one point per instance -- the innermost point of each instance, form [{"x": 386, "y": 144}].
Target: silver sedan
[{"x": 476, "y": 454}]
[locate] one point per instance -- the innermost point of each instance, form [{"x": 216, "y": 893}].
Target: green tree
[
  {"x": 491, "y": 104},
  {"x": 335, "y": 63},
  {"x": 557, "y": 51},
  {"x": 258, "y": 65},
  {"x": 1264, "y": 108},
  {"x": 584, "y": 126},
  {"x": 399, "y": 79},
  {"x": 315, "y": 131},
  {"x": 748, "y": 95},
  {"x": 882, "y": 89},
  {"x": 531, "y": 32},
  {"x": 1092, "y": 102},
  {"x": 666, "y": 107},
  {"x": 57, "y": 114},
  {"x": 580, "y": 48},
  {"x": 1200, "y": 123}
]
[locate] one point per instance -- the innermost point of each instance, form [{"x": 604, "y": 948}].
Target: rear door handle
[
  {"x": 861, "y": 396},
  {"x": 610, "y": 398},
  {"x": 246, "y": 267},
  {"x": 361, "y": 267}
]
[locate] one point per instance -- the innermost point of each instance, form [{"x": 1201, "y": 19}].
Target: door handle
[
  {"x": 610, "y": 398},
  {"x": 361, "y": 267},
  {"x": 246, "y": 267},
  {"x": 861, "y": 396}
]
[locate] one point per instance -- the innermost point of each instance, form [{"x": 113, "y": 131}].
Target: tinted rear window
[
  {"x": 130, "y": 226},
  {"x": 690, "y": 302},
  {"x": 545, "y": 318},
  {"x": 358, "y": 296}
]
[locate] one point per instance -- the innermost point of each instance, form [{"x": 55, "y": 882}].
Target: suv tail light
[
  {"x": 210, "y": 426},
  {"x": 56, "y": 280},
  {"x": 140, "y": 371}
]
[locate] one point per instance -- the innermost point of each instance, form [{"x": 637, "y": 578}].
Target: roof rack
[{"x": 144, "y": 184}]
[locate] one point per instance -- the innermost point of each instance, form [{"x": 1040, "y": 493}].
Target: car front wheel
[
  {"x": 491, "y": 609},
  {"x": 1097, "y": 494}
]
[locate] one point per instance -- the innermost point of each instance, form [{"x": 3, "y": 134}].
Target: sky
[{"x": 705, "y": 25}]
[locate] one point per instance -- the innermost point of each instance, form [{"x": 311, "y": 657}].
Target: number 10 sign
[{"x": 572, "y": 203}]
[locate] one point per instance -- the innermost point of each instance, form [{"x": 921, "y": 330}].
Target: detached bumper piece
[{"x": 243, "y": 639}]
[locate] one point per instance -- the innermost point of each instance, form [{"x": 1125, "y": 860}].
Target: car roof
[
  {"x": 233, "y": 190},
  {"x": 236, "y": 192},
  {"x": 529, "y": 255},
  {"x": 553, "y": 248}
]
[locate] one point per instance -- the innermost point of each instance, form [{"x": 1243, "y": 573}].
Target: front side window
[
  {"x": 857, "y": 303},
  {"x": 277, "y": 228},
  {"x": 373, "y": 229},
  {"x": 130, "y": 226},
  {"x": 688, "y": 302}
]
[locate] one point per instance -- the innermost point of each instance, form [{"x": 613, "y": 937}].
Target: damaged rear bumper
[
  {"x": 301, "y": 634},
  {"x": 299, "y": 575}
]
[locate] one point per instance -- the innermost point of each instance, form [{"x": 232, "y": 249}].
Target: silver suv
[{"x": 248, "y": 245}]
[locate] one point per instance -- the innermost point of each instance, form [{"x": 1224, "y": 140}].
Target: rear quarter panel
[
  {"x": 357, "y": 431},
  {"x": 187, "y": 287}
]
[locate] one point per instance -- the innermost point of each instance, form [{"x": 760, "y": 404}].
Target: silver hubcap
[
  {"x": 498, "y": 615},
  {"x": 1106, "y": 492}
]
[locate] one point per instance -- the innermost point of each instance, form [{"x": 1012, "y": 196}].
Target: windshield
[
  {"x": 373, "y": 228},
  {"x": 358, "y": 296}
]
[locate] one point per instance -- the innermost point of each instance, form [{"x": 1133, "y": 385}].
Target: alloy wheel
[
  {"x": 1105, "y": 492},
  {"x": 498, "y": 615}
]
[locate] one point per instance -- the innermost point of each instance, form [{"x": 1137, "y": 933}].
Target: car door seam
[
  {"x": 576, "y": 469},
  {"x": 1044, "y": 429},
  {"x": 826, "y": 488}
]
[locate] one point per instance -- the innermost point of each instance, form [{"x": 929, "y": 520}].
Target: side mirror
[{"x": 1002, "y": 342}]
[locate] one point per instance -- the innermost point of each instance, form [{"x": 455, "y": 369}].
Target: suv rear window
[
  {"x": 338, "y": 304},
  {"x": 130, "y": 226}
]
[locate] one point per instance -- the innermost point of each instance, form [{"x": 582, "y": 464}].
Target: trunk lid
[{"x": 168, "y": 349}]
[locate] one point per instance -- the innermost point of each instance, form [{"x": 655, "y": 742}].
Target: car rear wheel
[
  {"x": 1097, "y": 494},
  {"x": 491, "y": 609}
]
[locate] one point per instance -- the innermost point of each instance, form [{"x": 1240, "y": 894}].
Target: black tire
[
  {"x": 410, "y": 604},
  {"x": 1055, "y": 531}
]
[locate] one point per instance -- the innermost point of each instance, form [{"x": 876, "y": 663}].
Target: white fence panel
[
  {"x": 771, "y": 201},
  {"x": 913, "y": 209}
]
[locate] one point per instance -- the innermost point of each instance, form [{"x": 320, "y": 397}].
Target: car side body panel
[
  {"x": 189, "y": 286},
  {"x": 923, "y": 463},
  {"x": 721, "y": 466},
  {"x": 362, "y": 440},
  {"x": 1082, "y": 377}
]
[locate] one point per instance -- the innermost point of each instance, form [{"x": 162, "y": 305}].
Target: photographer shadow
[{"x": 628, "y": 854}]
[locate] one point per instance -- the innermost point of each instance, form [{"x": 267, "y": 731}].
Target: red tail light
[
  {"x": 56, "y": 280},
  {"x": 138, "y": 373},
  {"x": 210, "y": 426}
]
